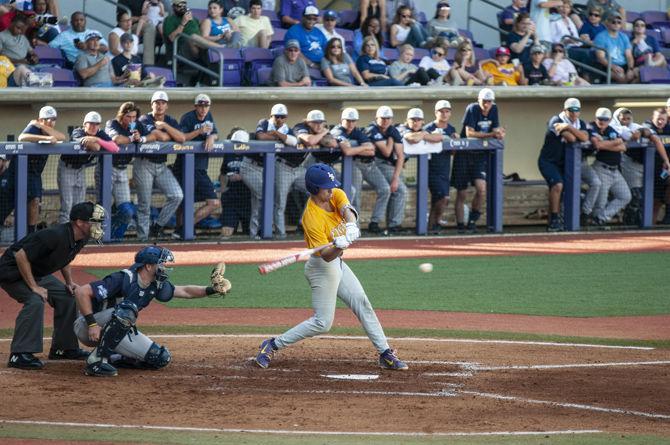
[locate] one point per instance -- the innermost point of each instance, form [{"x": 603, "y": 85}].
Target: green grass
[{"x": 560, "y": 285}]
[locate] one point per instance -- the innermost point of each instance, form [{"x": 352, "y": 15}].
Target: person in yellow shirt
[
  {"x": 504, "y": 72},
  {"x": 255, "y": 29},
  {"x": 329, "y": 219}
]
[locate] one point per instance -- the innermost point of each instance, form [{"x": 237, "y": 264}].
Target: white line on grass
[
  {"x": 570, "y": 365},
  {"x": 294, "y": 432},
  {"x": 565, "y": 405}
]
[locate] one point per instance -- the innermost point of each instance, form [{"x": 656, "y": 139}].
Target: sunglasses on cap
[
  {"x": 280, "y": 116},
  {"x": 603, "y": 119},
  {"x": 574, "y": 109}
]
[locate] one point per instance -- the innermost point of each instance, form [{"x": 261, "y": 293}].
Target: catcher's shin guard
[
  {"x": 122, "y": 322},
  {"x": 157, "y": 357}
]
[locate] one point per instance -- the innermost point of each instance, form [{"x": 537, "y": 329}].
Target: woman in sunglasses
[
  {"x": 405, "y": 29},
  {"x": 372, "y": 67},
  {"x": 437, "y": 62},
  {"x": 338, "y": 67},
  {"x": 465, "y": 70},
  {"x": 561, "y": 71},
  {"x": 646, "y": 50},
  {"x": 608, "y": 6},
  {"x": 593, "y": 24},
  {"x": 370, "y": 27}
]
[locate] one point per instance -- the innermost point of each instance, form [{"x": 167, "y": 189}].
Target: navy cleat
[
  {"x": 389, "y": 360},
  {"x": 100, "y": 369},
  {"x": 265, "y": 353},
  {"x": 24, "y": 360}
]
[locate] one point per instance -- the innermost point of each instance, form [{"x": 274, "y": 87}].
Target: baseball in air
[{"x": 426, "y": 267}]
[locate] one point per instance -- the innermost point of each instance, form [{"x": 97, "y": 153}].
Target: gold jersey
[{"x": 319, "y": 224}]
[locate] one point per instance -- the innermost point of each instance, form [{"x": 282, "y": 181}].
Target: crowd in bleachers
[{"x": 539, "y": 43}]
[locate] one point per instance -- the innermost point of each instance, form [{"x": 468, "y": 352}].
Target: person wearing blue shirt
[
  {"x": 72, "y": 41},
  {"x": 372, "y": 67},
  {"x": 312, "y": 41},
  {"x": 618, "y": 46},
  {"x": 508, "y": 14},
  {"x": 290, "y": 11},
  {"x": 480, "y": 121},
  {"x": 592, "y": 26}
]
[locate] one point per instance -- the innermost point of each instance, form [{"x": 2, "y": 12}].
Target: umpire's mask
[{"x": 97, "y": 221}]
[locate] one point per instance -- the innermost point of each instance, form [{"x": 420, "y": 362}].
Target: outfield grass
[{"x": 560, "y": 285}]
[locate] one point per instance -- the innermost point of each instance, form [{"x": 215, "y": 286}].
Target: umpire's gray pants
[
  {"x": 328, "y": 282},
  {"x": 145, "y": 175},
  {"x": 285, "y": 177},
  {"x": 120, "y": 184},
  {"x": 252, "y": 176},
  {"x": 396, "y": 207},
  {"x": 72, "y": 186},
  {"x": 613, "y": 184},
  {"x": 134, "y": 345},
  {"x": 633, "y": 172},
  {"x": 590, "y": 178},
  {"x": 29, "y": 328},
  {"x": 371, "y": 173}
]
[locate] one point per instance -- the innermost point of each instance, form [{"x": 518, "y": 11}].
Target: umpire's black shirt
[{"x": 48, "y": 251}]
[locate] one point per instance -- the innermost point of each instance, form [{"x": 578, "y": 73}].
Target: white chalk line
[
  {"x": 571, "y": 365},
  {"x": 297, "y": 432},
  {"x": 565, "y": 405},
  {"x": 409, "y": 339}
]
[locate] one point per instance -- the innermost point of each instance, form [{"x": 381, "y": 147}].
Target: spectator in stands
[
  {"x": 618, "y": 46},
  {"x": 480, "y": 121},
  {"x": 15, "y": 45},
  {"x": 338, "y": 67},
  {"x": 272, "y": 129},
  {"x": 406, "y": 29},
  {"x": 71, "y": 173},
  {"x": 235, "y": 8},
  {"x": 370, "y": 8},
  {"x": 92, "y": 65},
  {"x": 153, "y": 13},
  {"x": 609, "y": 148},
  {"x": 372, "y": 68},
  {"x": 72, "y": 41},
  {"x": 127, "y": 69},
  {"x": 502, "y": 70},
  {"x": 439, "y": 165},
  {"x": 40, "y": 130},
  {"x": 199, "y": 125},
  {"x": 312, "y": 41},
  {"x": 328, "y": 27},
  {"x": 540, "y": 13},
  {"x": 561, "y": 71},
  {"x": 218, "y": 29},
  {"x": 43, "y": 35},
  {"x": 436, "y": 63},
  {"x": 522, "y": 38},
  {"x": 255, "y": 29},
  {"x": 393, "y": 5},
  {"x": 124, "y": 129},
  {"x": 123, "y": 26},
  {"x": 534, "y": 71},
  {"x": 465, "y": 70},
  {"x": 235, "y": 195},
  {"x": 143, "y": 25},
  {"x": 660, "y": 126},
  {"x": 289, "y": 69},
  {"x": 509, "y": 14},
  {"x": 370, "y": 27},
  {"x": 291, "y": 11},
  {"x": 563, "y": 25},
  {"x": 11, "y": 76},
  {"x": 407, "y": 72},
  {"x": 592, "y": 26},
  {"x": 183, "y": 22},
  {"x": 151, "y": 170},
  {"x": 563, "y": 129},
  {"x": 443, "y": 25},
  {"x": 646, "y": 51},
  {"x": 46, "y": 11},
  {"x": 608, "y": 6}
]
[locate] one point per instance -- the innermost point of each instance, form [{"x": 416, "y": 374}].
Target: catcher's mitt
[{"x": 218, "y": 283}]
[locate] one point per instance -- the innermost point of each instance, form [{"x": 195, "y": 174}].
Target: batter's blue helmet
[{"x": 320, "y": 176}]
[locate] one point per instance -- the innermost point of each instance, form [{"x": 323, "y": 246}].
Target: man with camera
[{"x": 72, "y": 41}]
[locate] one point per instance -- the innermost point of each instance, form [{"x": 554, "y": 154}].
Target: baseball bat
[{"x": 266, "y": 268}]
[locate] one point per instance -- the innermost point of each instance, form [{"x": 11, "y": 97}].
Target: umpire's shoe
[
  {"x": 389, "y": 360},
  {"x": 68, "y": 354},
  {"x": 100, "y": 369},
  {"x": 24, "y": 360},
  {"x": 265, "y": 353}
]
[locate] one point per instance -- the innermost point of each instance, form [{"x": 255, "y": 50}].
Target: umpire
[{"x": 26, "y": 269}]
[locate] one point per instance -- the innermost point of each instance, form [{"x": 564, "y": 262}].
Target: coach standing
[{"x": 26, "y": 269}]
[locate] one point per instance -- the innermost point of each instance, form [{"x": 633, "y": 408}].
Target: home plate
[{"x": 351, "y": 376}]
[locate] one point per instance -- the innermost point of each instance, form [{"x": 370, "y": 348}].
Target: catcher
[{"x": 109, "y": 309}]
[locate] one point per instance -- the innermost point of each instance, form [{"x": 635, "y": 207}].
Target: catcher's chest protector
[{"x": 142, "y": 297}]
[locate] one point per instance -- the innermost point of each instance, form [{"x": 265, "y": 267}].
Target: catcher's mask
[
  {"x": 159, "y": 256},
  {"x": 92, "y": 213}
]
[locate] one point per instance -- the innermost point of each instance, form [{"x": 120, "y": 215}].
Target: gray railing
[{"x": 176, "y": 58}]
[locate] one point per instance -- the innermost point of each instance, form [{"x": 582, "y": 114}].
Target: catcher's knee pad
[
  {"x": 157, "y": 356},
  {"x": 122, "y": 321}
]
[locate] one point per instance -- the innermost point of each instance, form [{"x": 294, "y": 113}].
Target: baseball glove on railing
[{"x": 218, "y": 283}]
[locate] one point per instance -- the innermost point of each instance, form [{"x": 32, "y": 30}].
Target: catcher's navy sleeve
[
  {"x": 109, "y": 287},
  {"x": 166, "y": 292}
]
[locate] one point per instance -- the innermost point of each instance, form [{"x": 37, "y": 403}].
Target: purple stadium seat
[
  {"x": 61, "y": 77},
  {"x": 451, "y": 54},
  {"x": 389, "y": 54},
  {"x": 347, "y": 34},
  {"x": 665, "y": 37},
  {"x": 277, "y": 51},
  {"x": 631, "y": 16},
  {"x": 467, "y": 34},
  {"x": 420, "y": 53},
  {"x": 278, "y": 37},
  {"x": 317, "y": 78},
  {"x": 421, "y": 17},
  {"x": 347, "y": 17},
  {"x": 157, "y": 71},
  {"x": 274, "y": 18},
  {"x": 654, "y": 74},
  {"x": 254, "y": 59},
  {"x": 49, "y": 55},
  {"x": 481, "y": 53},
  {"x": 232, "y": 64},
  {"x": 199, "y": 13},
  {"x": 652, "y": 17},
  {"x": 263, "y": 76}
]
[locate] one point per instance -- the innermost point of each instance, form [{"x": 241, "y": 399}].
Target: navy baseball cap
[{"x": 330, "y": 15}]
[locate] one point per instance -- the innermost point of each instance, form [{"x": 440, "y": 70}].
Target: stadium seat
[
  {"x": 481, "y": 53},
  {"x": 347, "y": 17},
  {"x": 467, "y": 34},
  {"x": 49, "y": 55},
  {"x": 274, "y": 18},
  {"x": 420, "y": 53},
  {"x": 157, "y": 71},
  {"x": 278, "y": 37},
  {"x": 199, "y": 13},
  {"x": 652, "y": 17},
  {"x": 317, "y": 78},
  {"x": 389, "y": 54},
  {"x": 421, "y": 17},
  {"x": 451, "y": 55},
  {"x": 254, "y": 59},
  {"x": 655, "y": 74},
  {"x": 347, "y": 34},
  {"x": 263, "y": 76},
  {"x": 61, "y": 77},
  {"x": 631, "y": 16},
  {"x": 232, "y": 64}
]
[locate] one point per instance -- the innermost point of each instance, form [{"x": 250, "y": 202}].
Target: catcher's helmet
[
  {"x": 155, "y": 255},
  {"x": 320, "y": 176}
]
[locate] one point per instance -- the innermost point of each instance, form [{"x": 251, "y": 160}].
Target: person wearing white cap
[
  {"x": 609, "y": 147},
  {"x": 151, "y": 171},
  {"x": 289, "y": 69},
  {"x": 563, "y": 129},
  {"x": 291, "y": 12},
  {"x": 389, "y": 161},
  {"x": 312, "y": 40},
  {"x": 439, "y": 164},
  {"x": 343, "y": 134},
  {"x": 199, "y": 125},
  {"x": 71, "y": 173},
  {"x": 42, "y": 129},
  {"x": 92, "y": 64},
  {"x": 273, "y": 128},
  {"x": 480, "y": 121}
]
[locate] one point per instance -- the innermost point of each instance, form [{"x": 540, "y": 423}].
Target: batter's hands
[
  {"x": 42, "y": 292},
  {"x": 341, "y": 242},
  {"x": 353, "y": 232},
  {"x": 94, "y": 333}
]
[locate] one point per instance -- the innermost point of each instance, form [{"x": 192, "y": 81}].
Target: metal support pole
[
  {"x": 573, "y": 182},
  {"x": 106, "y": 193},
  {"x": 648, "y": 188},
  {"x": 267, "y": 206},
  {"x": 422, "y": 195},
  {"x": 348, "y": 174},
  {"x": 21, "y": 197},
  {"x": 189, "y": 192},
  {"x": 494, "y": 205}
]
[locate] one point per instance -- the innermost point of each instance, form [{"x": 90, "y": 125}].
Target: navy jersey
[
  {"x": 36, "y": 163},
  {"x": 376, "y": 135},
  {"x": 189, "y": 122},
  {"x": 114, "y": 128},
  {"x": 553, "y": 149},
  {"x": 263, "y": 126},
  {"x": 612, "y": 158},
  {"x": 150, "y": 124},
  {"x": 661, "y": 132},
  {"x": 124, "y": 285},
  {"x": 340, "y": 134},
  {"x": 475, "y": 119},
  {"x": 433, "y": 128},
  {"x": 77, "y": 161},
  {"x": 293, "y": 159}
]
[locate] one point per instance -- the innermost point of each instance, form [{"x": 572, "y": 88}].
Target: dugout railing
[{"x": 20, "y": 153}]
